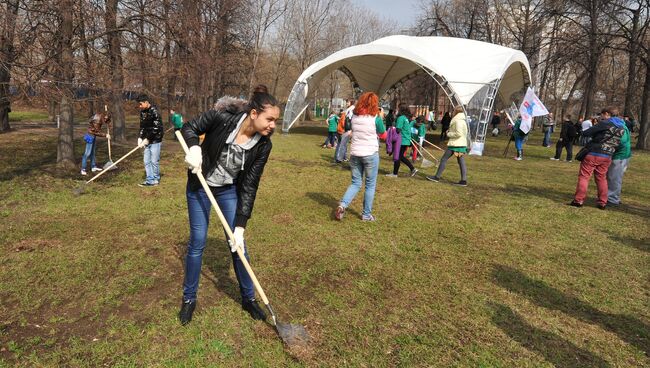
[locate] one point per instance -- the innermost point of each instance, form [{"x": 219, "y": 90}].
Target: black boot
[
  {"x": 253, "y": 308},
  {"x": 185, "y": 315}
]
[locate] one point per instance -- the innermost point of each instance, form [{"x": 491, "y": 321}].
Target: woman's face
[{"x": 264, "y": 121}]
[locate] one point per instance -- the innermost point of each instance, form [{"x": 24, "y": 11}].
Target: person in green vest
[
  {"x": 620, "y": 161},
  {"x": 403, "y": 125},
  {"x": 519, "y": 137},
  {"x": 332, "y": 123},
  {"x": 176, "y": 120}
]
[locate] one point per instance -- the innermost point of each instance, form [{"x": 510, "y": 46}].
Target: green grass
[
  {"x": 27, "y": 115},
  {"x": 499, "y": 274}
]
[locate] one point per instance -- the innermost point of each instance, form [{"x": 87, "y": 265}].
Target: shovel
[
  {"x": 109, "y": 164},
  {"x": 291, "y": 334}
]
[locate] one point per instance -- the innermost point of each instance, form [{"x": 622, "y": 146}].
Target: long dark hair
[
  {"x": 403, "y": 109},
  {"x": 260, "y": 99}
]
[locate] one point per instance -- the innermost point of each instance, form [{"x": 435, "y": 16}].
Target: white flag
[{"x": 531, "y": 106}]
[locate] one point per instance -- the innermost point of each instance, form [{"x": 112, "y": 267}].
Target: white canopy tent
[{"x": 472, "y": 73}]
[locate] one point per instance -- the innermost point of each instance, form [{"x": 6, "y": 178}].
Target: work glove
[
  {"x": 238, "y": 240},
  {"x": 194, "y": 159},
  {"x": 108, "y": 136},
  {"x": 143, "y": 142}
]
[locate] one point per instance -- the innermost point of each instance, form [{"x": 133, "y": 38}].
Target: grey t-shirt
[{"x": 231, "y": 159}]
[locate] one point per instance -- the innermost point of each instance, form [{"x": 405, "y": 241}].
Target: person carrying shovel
[
  {"x": 232, "y": 157},
  {"x": 94, "y": 130}
]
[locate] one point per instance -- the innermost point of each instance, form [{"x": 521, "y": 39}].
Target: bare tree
[
  {"x": 7, "y": 57},
  {"x": 65, "y": 147}
]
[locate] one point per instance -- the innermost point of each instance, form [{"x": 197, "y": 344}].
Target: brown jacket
[{"x": 95, "y": 124}]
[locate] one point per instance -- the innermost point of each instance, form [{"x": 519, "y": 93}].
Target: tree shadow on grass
[
  {"x": 640, "y": 244},
  {"x": 628, "y": 328},
  {"x": 555, "y": 349},
  {"x": 330, "y": 202},
  {"x": 564, "y": 197},
  {"x": 36, "y": 164},
  {"x": 561, "y": 197}
]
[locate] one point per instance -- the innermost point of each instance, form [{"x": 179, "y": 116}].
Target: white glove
[
  {"x": 238, "y": 242},
  {"x": 194, "y": 159},
  {"x": 143, "y": 142},
  {"x": 108, "y": 136}
]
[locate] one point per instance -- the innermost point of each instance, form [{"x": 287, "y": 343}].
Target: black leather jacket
[
  {"x": 605, "y": 137},
  {"x": 151, "y": 125},
  {"x": 217, "y": 126}
]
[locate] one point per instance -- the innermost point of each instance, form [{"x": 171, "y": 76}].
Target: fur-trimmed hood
[{"x": 230, "y": 104}]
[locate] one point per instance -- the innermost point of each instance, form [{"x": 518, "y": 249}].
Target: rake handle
[
  {"x": 224, "y": 223},
  {"x": 416, "y": 144},
  {"x": 114, "y": 163}
]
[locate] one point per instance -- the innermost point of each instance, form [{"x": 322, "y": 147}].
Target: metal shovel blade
[
  {"x": 293, "y": 335},
  {"x": 109, "y": 166}
]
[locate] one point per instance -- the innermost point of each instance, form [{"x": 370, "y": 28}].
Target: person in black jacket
[
  {"x": 151, "y": 135},
  {"x": 446, "y": 120},
  {"x": 567, "y": 135},
  {"x": 232, "y": 157}
]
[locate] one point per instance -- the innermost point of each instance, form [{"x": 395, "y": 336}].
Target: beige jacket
[{"x": 457, "y": 132}]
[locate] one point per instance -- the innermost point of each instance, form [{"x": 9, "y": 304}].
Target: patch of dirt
[
  {"x": 283, "y": 218},
  {"x": 35, "y": 244}
]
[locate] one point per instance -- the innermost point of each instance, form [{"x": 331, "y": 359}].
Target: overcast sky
[{"x": 404, "y": 12}]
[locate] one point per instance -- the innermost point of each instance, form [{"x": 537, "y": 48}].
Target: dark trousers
[
  {"x": 564, "y": 143},
  {"x": 403, "y": 159}
]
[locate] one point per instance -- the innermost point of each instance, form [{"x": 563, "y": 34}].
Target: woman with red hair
[{"x": 364, "y": 154}]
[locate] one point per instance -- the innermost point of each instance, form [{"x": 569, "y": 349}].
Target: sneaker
[
  {"x": 391, "y": 175},
  {"x": 575, "y": 204},
  {"x": 462, "y": 183},
  {"x": 555, "y": 159},
  {"x": 339, "y": 213},
  {"x": 518, "y": 158},
  {"x": 613, "y": 204},
  {"x": 601, "y": 206},
  {"x": 433, "y": 178},
  {"x": 253, "y": 308},
  {"x": 83, "y": 172},
  {"x": 147, "y": 184},
  {"x": 96, "y": 169},
  {"x": 369, "y": 218},
  {"x": 414, "y": 172},
  {"x": 569, "y": 160},
  {"x": 185, "y": 315}
]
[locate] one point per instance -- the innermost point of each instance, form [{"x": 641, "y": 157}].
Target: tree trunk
[
  {"x": 87, "y": 61},
  {"x": 65, "y": 148},
  {"x": 6, "y": 60},
  {"x": 113, "y": 38},
  {"x": 632, "y": 60},
  {"x": 644, "y": 121}
]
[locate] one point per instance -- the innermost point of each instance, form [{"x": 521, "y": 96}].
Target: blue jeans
[
  {"x": 547, "y": 138},
  {"x": 198, "y": 208},
  {"x": 360, "y": 166},
  {"x": 519, "y": 143},
  {"x": 91, "y": 148},
  {"x": 342, "y": 148},
  {"x": 151, "y": 162}
]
